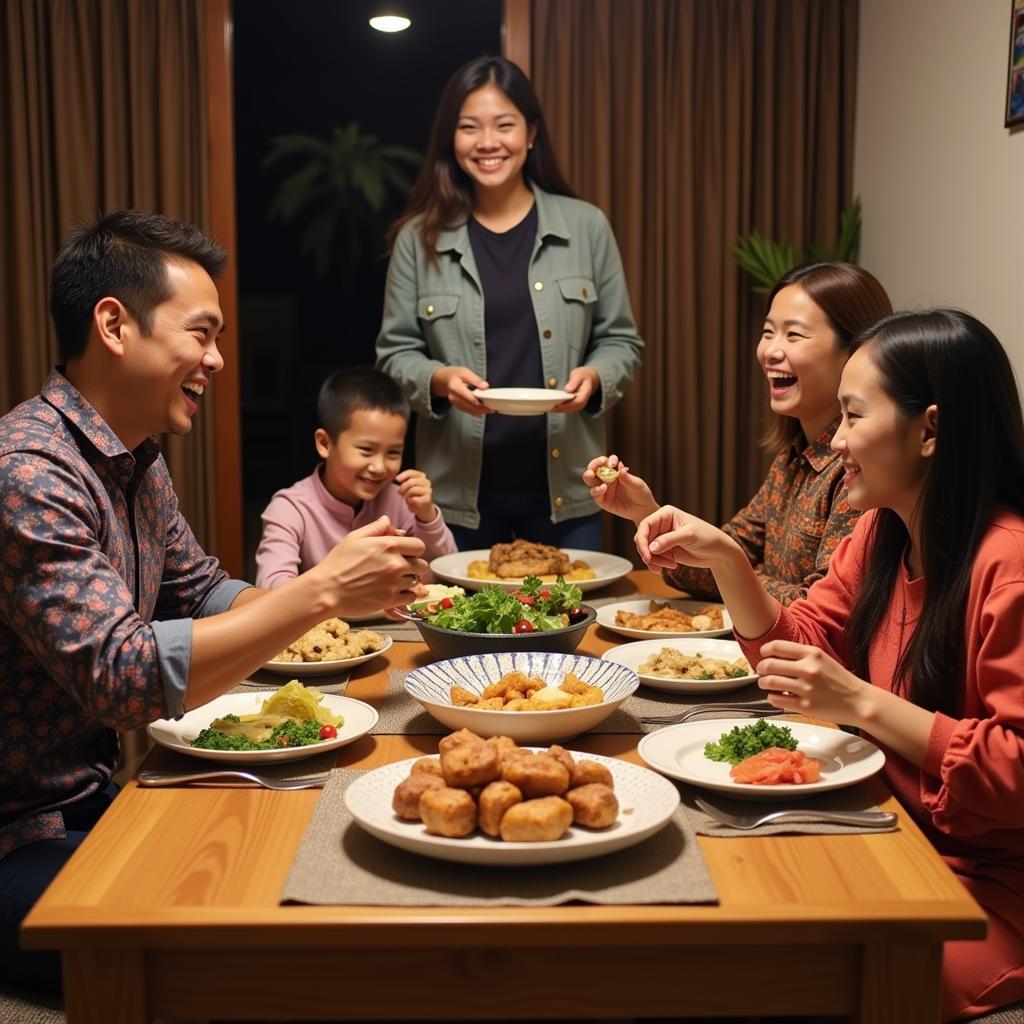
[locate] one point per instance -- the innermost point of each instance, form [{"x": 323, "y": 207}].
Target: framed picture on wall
[{"x": 1015, "y": 81}]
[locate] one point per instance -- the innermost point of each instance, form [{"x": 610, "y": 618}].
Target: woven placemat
[
  {"x": 333, "y": 682},
  {"x": 853, "y": 798},
  {"x": 340, "y": 864},
  {"x": 164, "y": 760}
]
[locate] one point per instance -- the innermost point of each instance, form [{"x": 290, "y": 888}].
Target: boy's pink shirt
[{"x": 303, "y": 522}]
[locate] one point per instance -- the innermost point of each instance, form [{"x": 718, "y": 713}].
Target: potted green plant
[
  {"x": 342, "y": 191},
  {"x": 766, "y": 260}
]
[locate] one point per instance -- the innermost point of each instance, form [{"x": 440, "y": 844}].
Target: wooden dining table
[{"x": 171, "y": 909}]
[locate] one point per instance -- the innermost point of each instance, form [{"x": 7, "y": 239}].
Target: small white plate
[
  {"x": 522, "y": 401},
  {"x": 646, "y": 803},
  {"x": 635, "y": 654},
  {"x": 302, "y": 669},
  {"x": 678, "y": 751},
  {"x": 606, "y": 617},
  {"x": 177, "y": 734},
  {"x": 454, "y": 569}
]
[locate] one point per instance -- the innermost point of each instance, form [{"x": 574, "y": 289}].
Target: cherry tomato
[
  {"x": 328, "y": 732},
  {"x": 577, "y": 615},
  {"x": 446, "y": 602},
  {"x": 524, "y": 626},
  {"x": 526, "y": 599},
  {"x": 545, "y": 595}
]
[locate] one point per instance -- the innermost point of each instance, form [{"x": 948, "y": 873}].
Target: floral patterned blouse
[
  {"x": 100, "y": 578},
  {"x": 790, "y": 527}
]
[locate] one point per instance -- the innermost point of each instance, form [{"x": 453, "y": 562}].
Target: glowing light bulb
[{"x": 390, "y": 23}]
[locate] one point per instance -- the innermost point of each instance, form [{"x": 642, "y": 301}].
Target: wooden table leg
[
  {"x": 901, "y": 983},
  {"x": 105, "y": 987}
]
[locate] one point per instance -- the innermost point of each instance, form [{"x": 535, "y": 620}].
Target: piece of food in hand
[
  {"x": 777, "y": 765},
  {"x": 606, "y": 474},
  {"x": 537, "y": 821},
  {"x": 593, "y": 805},
  {"x": 406, "y": 800},
  {"x": 448, "y": 812},
  {"x": 494, "y": 800}
]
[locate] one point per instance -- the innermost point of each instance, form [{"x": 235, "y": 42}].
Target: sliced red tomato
[{"x": 524, "y": 626}]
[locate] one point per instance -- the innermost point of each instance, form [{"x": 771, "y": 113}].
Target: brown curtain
[
  {"x": 690, "y": 122},
  {"x": 102, "y": 106}
]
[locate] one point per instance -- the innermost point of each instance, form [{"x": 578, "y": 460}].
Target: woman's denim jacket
[{"x": 434, "y": 317}]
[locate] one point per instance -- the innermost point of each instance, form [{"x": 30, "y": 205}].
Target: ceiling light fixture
[{"x": 390, "y": 22}]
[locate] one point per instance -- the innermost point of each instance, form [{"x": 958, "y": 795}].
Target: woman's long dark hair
[
  {"x": 443, "y": 193},
  {"x": 949, "y": 359},
  {"x": 851, "y": 299}
]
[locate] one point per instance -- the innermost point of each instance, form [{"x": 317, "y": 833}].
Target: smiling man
[{"x": 111, "y": 615}]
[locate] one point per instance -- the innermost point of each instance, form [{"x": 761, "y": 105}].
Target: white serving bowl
[{"x": 432, "y": 684}]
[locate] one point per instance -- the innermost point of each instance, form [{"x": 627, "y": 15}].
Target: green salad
[
  {"x": 535, "y": 607},
  {"x": 743, "y": 741},
  {"x": 290, "y": 733}
]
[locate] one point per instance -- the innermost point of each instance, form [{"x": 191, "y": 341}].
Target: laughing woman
[
  {"x": 500, "y": 277},
  {"x": 914, "y": 635},
  {"x": 790, "y": 528}
]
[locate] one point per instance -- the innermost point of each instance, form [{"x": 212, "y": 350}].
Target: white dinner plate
[
  {"x": 522, "y": 401},
  {"x": 606, "y": 617},
  {"x": 302, "y": 669},
  {"x": 177, "y": 734},
  {"x": 646, "y": 802},
  {"x": 678, "y": 751},
  {"x": 635, "y": 654},
  {"x": 454, "y": 569}
]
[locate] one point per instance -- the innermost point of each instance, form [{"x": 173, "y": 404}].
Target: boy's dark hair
[
  {"x": 358, "y": 387},
  {"x": 122, "y": 254}
]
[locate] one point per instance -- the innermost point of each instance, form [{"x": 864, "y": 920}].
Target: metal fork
[
  {"x": 710, "y": 709},
  {"x": 869, "y": 819},
  {"x": 152, "y": 778}
]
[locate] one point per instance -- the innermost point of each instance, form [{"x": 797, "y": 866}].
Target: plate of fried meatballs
[
  {"x": 507, "y": 565},
  {"x": 330, "y": 646},
  {"x": 494, "y": 802}
]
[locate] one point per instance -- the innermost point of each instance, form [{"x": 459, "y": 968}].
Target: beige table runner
[
  {"x": 852, "y": 798},
  {"x": 338, "y": 863},
  {"x": 164, "y": 760}
]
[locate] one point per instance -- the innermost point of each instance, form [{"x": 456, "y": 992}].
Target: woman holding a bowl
[{"x": 500, "y": 277}]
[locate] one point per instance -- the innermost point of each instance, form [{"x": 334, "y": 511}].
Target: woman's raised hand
[
  {"x": 456, "y": 383},
  {"x": 671, "y": 537},
  {"x": 624, "y": 494}
]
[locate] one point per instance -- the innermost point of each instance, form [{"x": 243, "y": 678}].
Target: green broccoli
[{"x": 743, "y": 741}]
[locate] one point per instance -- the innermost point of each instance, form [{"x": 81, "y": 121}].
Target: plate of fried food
[
  {"x": 330, "y": 646},
  {"x": 531, "y": 696},
  {"x": 507, "y": 565},
  {"x": 294, "y": 722},
  {"x": 492, "y": 802},
  {"x": 685, "y": 665},
  {"x": 762, "y": 760},
  {"x": 667, "y": 619}
]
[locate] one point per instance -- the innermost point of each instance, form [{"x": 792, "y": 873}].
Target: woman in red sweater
[{"x": 914, "y": 635}]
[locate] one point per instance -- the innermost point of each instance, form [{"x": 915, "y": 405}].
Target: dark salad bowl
[{"x": 456, "y": 643}]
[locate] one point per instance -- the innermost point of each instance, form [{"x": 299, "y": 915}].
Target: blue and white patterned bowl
[{"x": 432, "y": 684}]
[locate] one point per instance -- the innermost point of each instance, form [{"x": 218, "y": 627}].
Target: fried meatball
[
  {"x": 562, "y": 756},
  {"x": 431, "y": 765},
  {"x": 473, "y": 764},
  {"x": 505, "y": 746},
  {"x": 537, "y": 821},
  {"x": 458, "y": 739},
  {"x": 537, "y": 775},
  {"x": 583, "y": 772},
  {"x": 406, "y": 801},
  {"x": 593, "y": 805},
  {"x": 448, "y": 812},
  {"x": 495, "y": 800}
]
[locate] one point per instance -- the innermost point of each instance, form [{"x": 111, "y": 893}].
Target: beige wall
[{"x": 941, "y": 179}]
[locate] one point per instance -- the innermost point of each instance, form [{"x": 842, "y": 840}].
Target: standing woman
[
  {"x": 914, "y": 635},
  {"x": 500, "y": 277},
  {"x": 793, "y": 523}
]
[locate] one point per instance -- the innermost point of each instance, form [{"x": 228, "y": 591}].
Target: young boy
[{"x": 363, "y": 418}]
